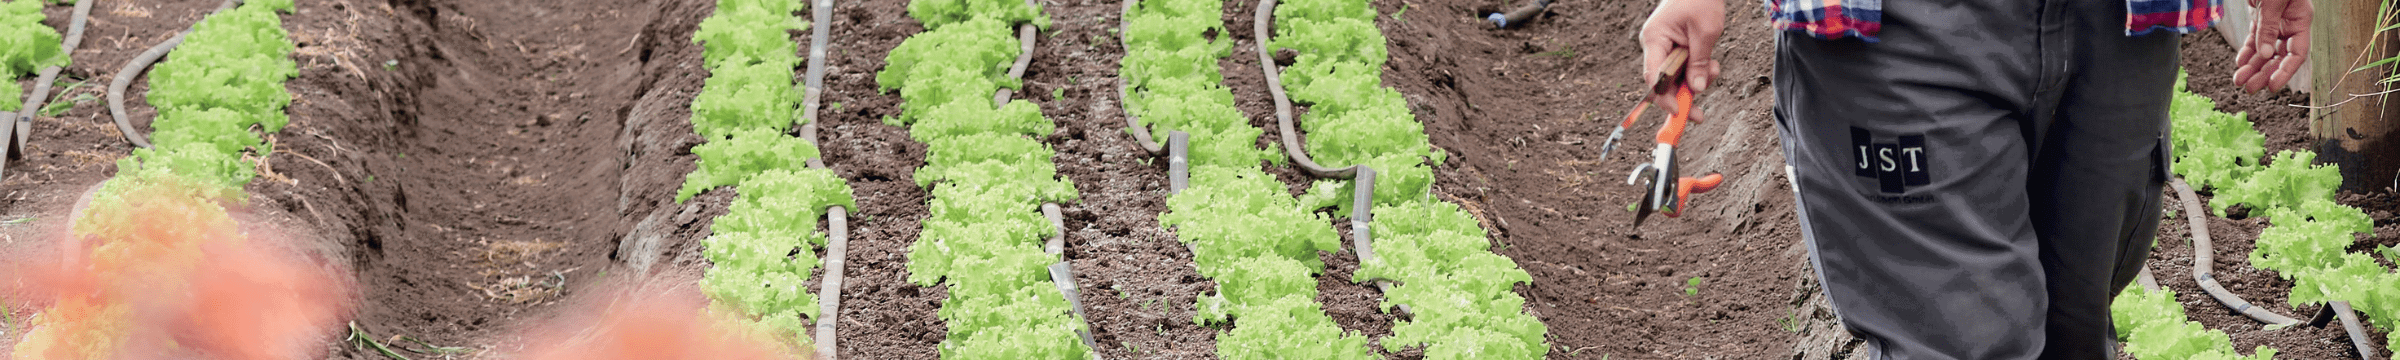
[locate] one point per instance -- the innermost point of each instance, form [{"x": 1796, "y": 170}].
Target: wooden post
[{"x": 2360, "y": 134}]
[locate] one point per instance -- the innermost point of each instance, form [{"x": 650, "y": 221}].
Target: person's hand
[
  {"x": 2277, "y": 46},
  {"x": 1689, "y": 24}
]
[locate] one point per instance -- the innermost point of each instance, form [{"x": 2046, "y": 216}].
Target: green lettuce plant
[
  {"x": 747, "y": 152},
  {"x": 2153, "y": 326},
  {"x": 26, "y": 46}
]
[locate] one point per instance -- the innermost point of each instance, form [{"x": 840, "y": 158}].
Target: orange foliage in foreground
[
  {"x": 155, "y": 269},
  {"x": 672, "y": 324}
]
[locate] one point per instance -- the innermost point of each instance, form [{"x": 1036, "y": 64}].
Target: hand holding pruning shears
[
  {"x": 1691, "y": 26},
  {"x": 1676, "y": 43},
  {"x": 1666, "y": 192}
]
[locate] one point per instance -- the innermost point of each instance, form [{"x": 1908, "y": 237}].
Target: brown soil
[
  {"x": 1522, "y": 113},
  {"x": 882, "y": 316},
  {"x": 459, "y": 144},
  {"x": 1137, "y": 282}
]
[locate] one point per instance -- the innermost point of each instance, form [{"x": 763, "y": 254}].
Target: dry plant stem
[{"x": 337, "y": 174}]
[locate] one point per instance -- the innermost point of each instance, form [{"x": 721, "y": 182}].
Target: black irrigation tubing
[
  {"x": 1062, "y": 273},
  {"x": 837, "y": 218},
  {"x": 2203, "y": 260},
  {"x": 1283, "y": 104},
  {"x": 18, "y": 126},
  {"x": 134, "y": 68}
]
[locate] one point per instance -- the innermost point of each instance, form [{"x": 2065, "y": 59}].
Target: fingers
[
  {"x": 2277, "y": 47},
  {"x": 2293, "y": 60},
  {"x": 1703, "y": 64},
  {"x": 1654, "y": 51},
  {"x": 1659, "y": 36},
  {"x": 1697, "y": 115},
  {"x": 2270, "y": 20},
  {"x": 2254, "y": 55}
]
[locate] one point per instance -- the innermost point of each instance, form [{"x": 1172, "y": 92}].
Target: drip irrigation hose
[
  {"x": 1283, "y": 104},
  {"x": 1141, "y": 134},
  {"x": 837, "y": 224},
  {"x": 1362, "y": 203},
  {"x": 2146, "y": 280},
  {"x": 837, "y": 218},
  {"x": 1362, "y": 219},
  {"x": 1179, "y": 161},
  {"x": 2203, "y": 260},
  {"x": 1025, "y": 39},
  {"x": 2358, "y": 334},
  {"x": 134, "y": 68},
  {"x": 16, "y": 128},
  {"x": 1518, "y": 16},
  {"x": 1062, "y": 273}
]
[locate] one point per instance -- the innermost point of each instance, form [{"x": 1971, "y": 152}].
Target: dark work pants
[{"x": 1981, "y": 183}]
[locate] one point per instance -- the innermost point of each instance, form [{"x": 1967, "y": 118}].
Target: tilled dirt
[
  {"x": 882, "y": 316},
  {"x": 452, "y": 149},
  {"x": 477, "y": 144},
  {"x": 1523, "y": 112}
]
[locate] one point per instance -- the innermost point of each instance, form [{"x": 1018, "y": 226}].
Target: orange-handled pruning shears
[{"x": 1667, "y": 193}]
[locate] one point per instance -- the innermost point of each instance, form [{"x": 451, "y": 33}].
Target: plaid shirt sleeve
[
  {"x": 1863, "y": 19},
  {"x": 1829, "y": 19},
  {"x": 2179, "y": 16}
]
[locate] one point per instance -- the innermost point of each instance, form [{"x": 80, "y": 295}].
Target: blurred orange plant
[
  {"x": 644, "y": 322},
  {"x": 155, "y": 268}
]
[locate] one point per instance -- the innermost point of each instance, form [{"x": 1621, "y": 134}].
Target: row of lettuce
[
  {"x": 1460, "y": 293},
  {"x": 2310, "y": 234},
  {"x": 2307, "y": 241},
  {"x": 163, "y": 212},
  {"x": 764, "y": 248},
  {"x": 26, "y": 46},
  {"x": 989, "y": 175},
  {"x": 1253, "y": 238}
]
